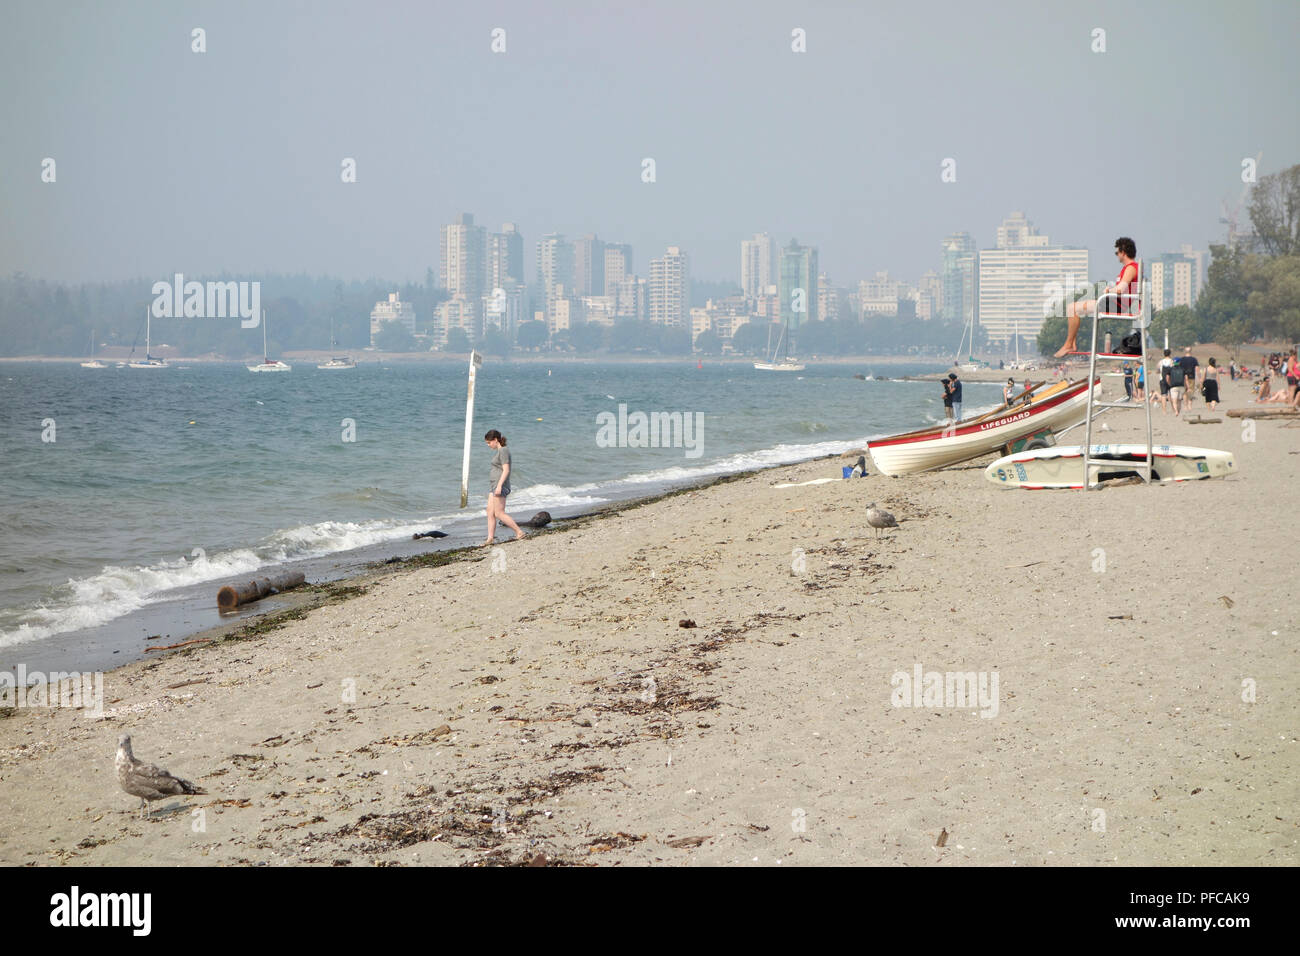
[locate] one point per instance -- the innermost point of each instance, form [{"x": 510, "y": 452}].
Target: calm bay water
[{"x": 159, "y": 481}]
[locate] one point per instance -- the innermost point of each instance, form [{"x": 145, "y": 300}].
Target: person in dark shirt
[
  {"x": 1128, "y": 381},
  {"x": 947, "y": 399},
  {"x": 954, "y": 392},
  {"x": 1189, "y": 364}
]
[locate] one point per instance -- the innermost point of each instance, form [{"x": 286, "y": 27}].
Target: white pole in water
[{"x": 475, "y": 362}]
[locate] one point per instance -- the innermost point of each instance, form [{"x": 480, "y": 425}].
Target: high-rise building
[
  {"x": 798, "y": 284},
  {"x": 463, "y": 253},
  {"x": 958, "y": 278},
  {"x": 505, "y": 307},
  {"x": 828, "y": 299},
  {"x": 458, "y": 312},
  {"x": 929, "y": 296},
  {"x": 1017, "y": 232},
  {"x": 554, "y": 266},
  {"x": 670, "y": 289},
  {"x": 505, "y": 258},
  {"x": 618, "y": 265},
  {"x": 394, "y": 310},
  {"x": 631, "y": 298},
  {"x": 1202, "y": 259},
  {"x": 756, "y": 258},
  {"x": 879, "y": 296},
  {"x": 1020, "y": 282},
  {"x": 1174, "y": 280},
  {"x": 589, "y": 265}
]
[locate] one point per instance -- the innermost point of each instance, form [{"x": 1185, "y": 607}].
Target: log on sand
[
  {"x": 233, "y": 595},
  {"x": 1264, "y": 411}
]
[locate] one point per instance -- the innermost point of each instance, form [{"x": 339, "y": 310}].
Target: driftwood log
[
  {"x": 233, "y": 595},
  {"x": 1264, "y": 411}
]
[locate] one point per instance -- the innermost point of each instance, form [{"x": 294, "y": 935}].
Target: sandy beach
[{"x": 541, "y": 701}]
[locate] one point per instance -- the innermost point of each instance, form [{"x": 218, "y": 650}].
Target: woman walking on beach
[
  {"x": 1210, "y": 385},
  {"x": 500, "y": 489}
]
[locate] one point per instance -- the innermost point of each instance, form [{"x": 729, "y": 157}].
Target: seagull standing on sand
[
  {"x": 146, "y": 781},
  {"x": 879, "y": 519}
]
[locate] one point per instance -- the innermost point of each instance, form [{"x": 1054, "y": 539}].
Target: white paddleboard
[{"x": 1062, "y": 465}]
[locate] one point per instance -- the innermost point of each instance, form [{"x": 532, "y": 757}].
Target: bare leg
[
  {"x": 1072, "y": 328},
  {"x": 508, "y": 521},
  {"x": 492, "y": 519}
]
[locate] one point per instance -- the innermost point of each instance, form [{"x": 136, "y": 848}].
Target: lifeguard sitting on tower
[{"x": 1127, "y": 281}]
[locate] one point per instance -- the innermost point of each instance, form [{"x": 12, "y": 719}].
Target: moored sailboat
[{"x": 268, "y": 364}]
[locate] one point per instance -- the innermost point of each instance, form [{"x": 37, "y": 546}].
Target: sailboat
[
  {"x": 149, "y": 361},
  {"x": 268, "y": 364},
  {"x": 337, "y": 361},
  {"x": 94, "y": 362},
  {"x": 772, "y": 365}
]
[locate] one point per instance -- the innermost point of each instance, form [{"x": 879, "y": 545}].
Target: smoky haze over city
[{"x": 825, "y": 123}]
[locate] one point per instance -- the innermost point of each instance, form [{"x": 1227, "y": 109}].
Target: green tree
[
  {"x": 1185, "y": 325},
  {"x": 1231, "y": 334},
  {"x": 531, "y": 334},
  {"x": 752, "y": 337},
  {"x": 457, "y": 341},
  {"x": 708, "y": 343},
  {"x": 1052, "y": 334},
  {"x": 588, "y": 336},
  {"x": 1275, "y": 212},
  {"x": 1224, "y": 296},
  {"x": 1273, "y": 302},
  {"x": 395, "y": 337},
  {"x": 495, "y": 342}
]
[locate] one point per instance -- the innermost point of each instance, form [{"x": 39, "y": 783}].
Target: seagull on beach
[
  {"x": 879, "y": 519},
  {"x": 146, "y": 781}
]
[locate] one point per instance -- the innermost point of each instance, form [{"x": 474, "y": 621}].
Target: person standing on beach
[
  {"x": 1176, "y": 376},
  {"x": 500, "y": 489},
  {"x": 1128, "y": 381},
  {"x": 1008, "y": 390},
  {"x": 1292, "y": 369},
  {"x": 1166, "y": 364},
  {"x": 1210, "y": 388},
  {"x": 955, "y": 393},
  {"x": 947, "y": 399},
  {"x": 1189, "y": 364}
]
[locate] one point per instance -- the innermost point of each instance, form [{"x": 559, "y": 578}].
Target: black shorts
[{"x": 1291, "y": 380}]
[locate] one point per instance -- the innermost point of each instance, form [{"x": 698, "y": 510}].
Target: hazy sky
[{"x": 173, "y": 161}]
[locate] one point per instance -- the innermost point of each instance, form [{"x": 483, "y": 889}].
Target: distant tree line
[
  {"x": 1252, "y": 292},
  {"x": 39, "y": 317}
]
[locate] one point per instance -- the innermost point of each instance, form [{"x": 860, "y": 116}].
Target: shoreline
[{"x": 710, "y": 678}]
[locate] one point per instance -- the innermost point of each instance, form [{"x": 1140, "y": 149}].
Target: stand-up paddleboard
[{"x": 1062, "y": 466}]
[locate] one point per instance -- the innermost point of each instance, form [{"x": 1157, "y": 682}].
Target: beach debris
[
  {"x": 686, "y": 843},
  {"x": 880, "y": 519},
  {"x": 1226, "y": 601},
  {"x": 1198, "y": 420},
  {"x": 233, "y": 595},
  {"x": 943, "y": 837},
  {"x": 428, "y": 534},
  {"x": 539, "y": 860},
  {"x": 539, "y": 520},
  {"x": 1120, "y": 617},
  {"x": 1264, "y": 411},
  {"x": 146, "y": 781},
  {"x": 686, "y": 622},
  {"x": 172, "y": 647}
]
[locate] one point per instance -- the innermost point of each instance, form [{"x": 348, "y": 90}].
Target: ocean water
[{"x": 163, "y": 483}]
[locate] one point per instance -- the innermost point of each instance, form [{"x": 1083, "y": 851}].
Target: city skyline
[{"x": 553, "y": 131}]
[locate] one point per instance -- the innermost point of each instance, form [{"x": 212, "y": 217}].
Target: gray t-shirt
[{"x": 499, "y": 461}]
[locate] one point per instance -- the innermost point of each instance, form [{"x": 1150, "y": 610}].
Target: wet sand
[{"x": 541, "y": 700}]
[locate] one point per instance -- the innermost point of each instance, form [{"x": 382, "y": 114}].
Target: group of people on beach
[
  {"x": 1274, "y": 368},
  {"x": 1180, "y": 379}
]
